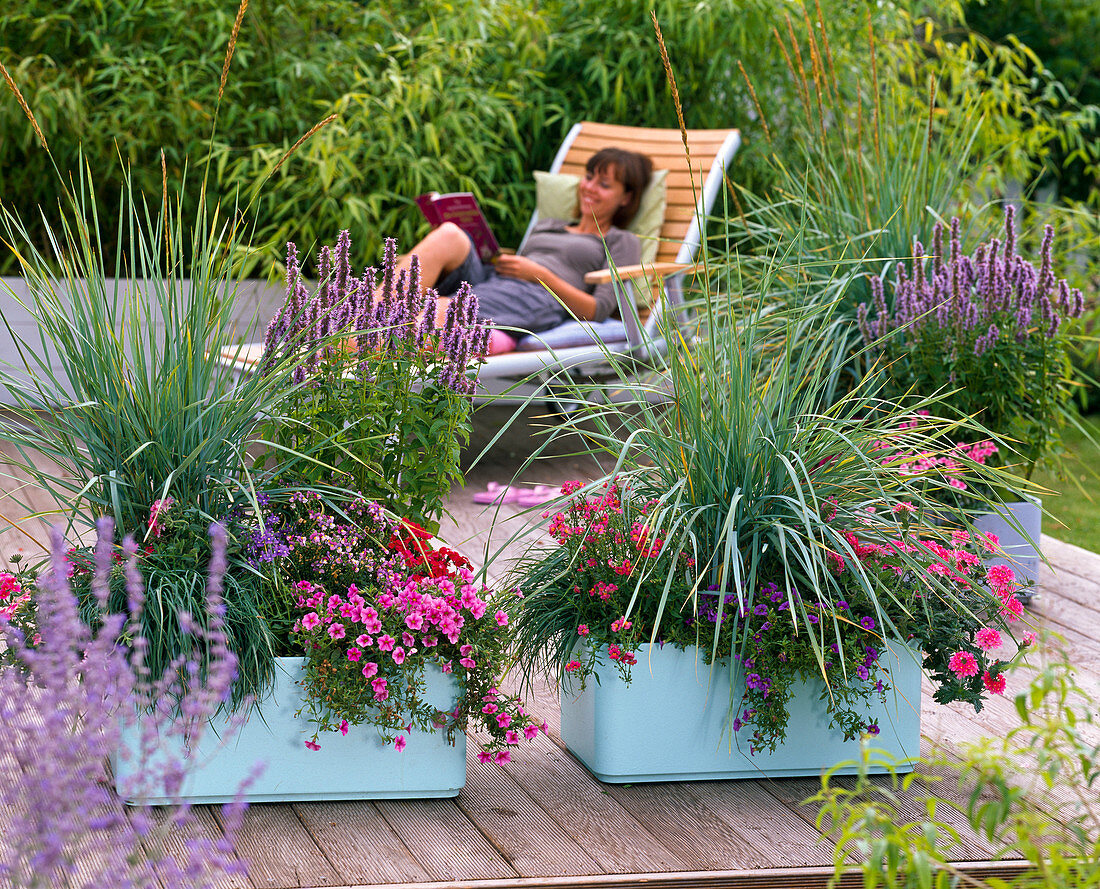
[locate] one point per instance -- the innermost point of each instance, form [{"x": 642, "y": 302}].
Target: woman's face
[{"x": 600, "y": 194}]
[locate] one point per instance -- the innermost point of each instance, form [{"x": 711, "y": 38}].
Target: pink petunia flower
[
  {"x": 336, "y": 631},
  {"x": 344, "y": 727},
  {"x": 504, "y": 720},
  {"x": 399, "y": 655},
  {"x": 501, "y": 757},
  {"x": 530, "y": 732},
  {"x": 370, "y": 669},
  {"x": 354, "y": 654},
  {"x": 399, "y": 743},
  {"x": 313, "y": 745},
  {"x": 310, "y": 621},
  {"x": 511, "y": 737},
  {"x": 501, "y": 619},
  {"x": 484, "y": 756}
]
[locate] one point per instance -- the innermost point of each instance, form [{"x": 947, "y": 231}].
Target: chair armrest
[{"x": 644, "y": 270}]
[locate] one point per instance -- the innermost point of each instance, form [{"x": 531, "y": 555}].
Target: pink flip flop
[
  {"x": 495, "y": 493},
  {"x": 536, "y": 496},
  {"x": 498, "y": 494}
]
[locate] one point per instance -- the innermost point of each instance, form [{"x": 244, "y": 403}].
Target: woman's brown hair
[{"x": 631, "y": 169}]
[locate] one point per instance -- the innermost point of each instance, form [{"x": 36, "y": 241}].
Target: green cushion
[{"x": 556, "y": 198}]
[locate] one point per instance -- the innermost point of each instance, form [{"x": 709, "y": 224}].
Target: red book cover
[{"x": 461, "y": 208}]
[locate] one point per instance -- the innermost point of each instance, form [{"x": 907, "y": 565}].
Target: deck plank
[
  {"x": 361, "y": 845},
  {"x": 280, "y": 851},
  {"x": 444, "y": 841},
  {"x": 564, "y": 789},
  {"x": 532, "y": 843}
]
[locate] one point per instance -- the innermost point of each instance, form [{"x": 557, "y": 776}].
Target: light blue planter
[
  {"x": 356, "y": 766},
  {"x": 671, "y": 722},
  {"x": 1021, "y": 553}
]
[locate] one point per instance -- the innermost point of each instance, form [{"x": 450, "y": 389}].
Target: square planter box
[
  {"x": 356, "y": 766},
  {"x": 671, "y": 722},
  {"x": 1022, "y": 556}
]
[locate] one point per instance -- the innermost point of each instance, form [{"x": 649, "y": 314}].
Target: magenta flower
[
  {"x": 386, "y": 643},
  {"x": 354, "y": 654},
  {"x": 987, "y": 638},
  {"x": 336, "y": 631},
  {"x": 313, "y": 745},
  {"x": 484, "y": 756},
  {"x": 501, "y": 619},
  {"x": 310, "y": 621},
  {"x": 995, "y": 685},
  {"x": 399, "y": 655},
  {"x": 344, "y": 727},
  {"x": 370, "y": 669},
  {"x": 399, "y": 743},
  {"x": 963, "y": 664}
]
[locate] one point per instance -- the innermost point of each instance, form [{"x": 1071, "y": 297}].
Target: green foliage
[
  {"x": 469, "y": 95},
  {"x": 1033, "y": 792},
  {"x": 1060, "y": 36}
]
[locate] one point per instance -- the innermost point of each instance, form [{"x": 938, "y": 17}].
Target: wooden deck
[{"x": 544, "y": 821}]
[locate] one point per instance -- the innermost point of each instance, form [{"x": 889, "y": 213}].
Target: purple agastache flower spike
[{"x": 1010, "y": 232}]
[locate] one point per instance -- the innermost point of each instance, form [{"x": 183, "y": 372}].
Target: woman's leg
[{"x": 442, "y": 250}]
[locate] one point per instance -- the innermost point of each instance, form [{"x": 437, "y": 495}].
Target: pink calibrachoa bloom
[
  {"x": 530, "y": 732},
  {"x": 963, "y": 664},
  {"x": 380, "y": 690},
  {"x": 501, "y": 757},
  {"x": 501, "y": 619},
  {"x": 399, "y": 655},
  {"x": 310, "y": 621},
  {"x": 313, "y": 745},
  {"x": 504, "y": 719},
  {"x": 336, "y": 631},
  {"x": 399, "y": 743},
  {"x": 995, "y": 685},
  {"x": 354, "y": 654},
  {"x": 386, "y": 643},
  {"x": 344, "y": 727},
  {"x": 511, "y": 737},
  {"x": 370, "y": 668},
  {"x": 987, "y": 638},
  {"x": 484, "y": 756}
]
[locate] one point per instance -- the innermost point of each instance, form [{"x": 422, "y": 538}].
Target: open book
[{"x": 461, "y": 208}]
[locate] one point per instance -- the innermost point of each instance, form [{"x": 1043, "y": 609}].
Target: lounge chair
[
  {"x": 676, "y": 203},
  {"x": 650, "y": 291}
]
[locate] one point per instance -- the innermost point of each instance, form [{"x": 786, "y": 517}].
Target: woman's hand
[{"x": 521, "y": 267}]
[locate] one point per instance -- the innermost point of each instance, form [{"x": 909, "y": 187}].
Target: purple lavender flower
[{"x": 62, "y": 716}]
